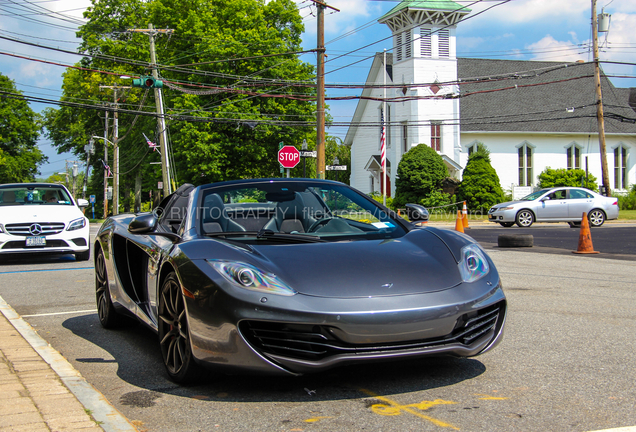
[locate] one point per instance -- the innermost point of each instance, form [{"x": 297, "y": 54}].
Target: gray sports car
[{"x": 292, "y": 276}]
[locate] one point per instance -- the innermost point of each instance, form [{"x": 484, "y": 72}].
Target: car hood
[
  {"x": 39, "y": 213},
  {"x": 509, "y": 203},
  {"x": 417, "y": 263}
]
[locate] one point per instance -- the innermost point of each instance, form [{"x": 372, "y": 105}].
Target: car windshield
[
  {"x": 34, "y": 195},
  {"x": 272, "y": 211},
  {"x": 534, "y": 195}
]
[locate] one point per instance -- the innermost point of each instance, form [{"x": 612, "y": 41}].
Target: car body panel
[
  {"x": 356, "y": 299},
  {"x": 22, "y": 219},
  {"x": 567, "y": 205}
]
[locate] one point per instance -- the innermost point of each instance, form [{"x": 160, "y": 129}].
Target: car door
[
  {"x": 579, "y": 202},
  {"x": 553, "y": 206}
]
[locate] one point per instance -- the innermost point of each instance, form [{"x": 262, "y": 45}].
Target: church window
[
  {"x": 573, "y": 157},
  {"x": 436, "y": 136},
  {"x": 408, "y": 45},
  {"x": 620, "y": 168},
  {"x": 405, "y": 137},
  {"x": 525, "y": 165},
  {"x": 398, "y": 46}
]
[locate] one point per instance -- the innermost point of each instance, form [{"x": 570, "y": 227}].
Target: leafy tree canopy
[
  {"x": 480, "y": 186},
  {"x": 19, "y": 131},
  {"x": 233, "y": 88},
  {"x": 420, "y": 174},
  {"x": 550, "y": 177}
]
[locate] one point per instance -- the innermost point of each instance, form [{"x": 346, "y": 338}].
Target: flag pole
[{"x": 383, "y": 146}]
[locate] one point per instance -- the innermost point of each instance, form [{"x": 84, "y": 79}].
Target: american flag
[
  {"x": 383, "y": 142},
  {"x": 109, "y": 173},
  {"x": 150, "y": 143}
]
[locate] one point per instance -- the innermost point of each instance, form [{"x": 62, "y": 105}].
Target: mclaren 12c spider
[{"x": 292, "y": 276}]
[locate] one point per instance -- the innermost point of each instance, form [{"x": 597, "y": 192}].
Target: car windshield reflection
[
  {"x": 303, "y": 208},
  {"x": 15, "y": 196}
]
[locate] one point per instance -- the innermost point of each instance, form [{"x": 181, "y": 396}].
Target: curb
[{"x": 109, "y": 418}]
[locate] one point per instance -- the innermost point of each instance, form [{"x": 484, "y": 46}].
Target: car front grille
[
  {"x": 317, "y": 342},
  {"x": 26, "y": 228},
  {"x": 21, "y": 244}
]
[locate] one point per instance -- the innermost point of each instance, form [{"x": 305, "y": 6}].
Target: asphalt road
[{"x": 566, "y": 362}]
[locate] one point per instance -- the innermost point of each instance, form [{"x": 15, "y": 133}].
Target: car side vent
[{"x": 476, "y": 324}]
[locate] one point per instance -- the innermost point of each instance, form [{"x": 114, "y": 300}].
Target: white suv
[{"x": 42, "y": 217}]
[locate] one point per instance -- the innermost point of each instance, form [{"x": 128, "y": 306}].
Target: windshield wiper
[{"x": 267, "y": 234}]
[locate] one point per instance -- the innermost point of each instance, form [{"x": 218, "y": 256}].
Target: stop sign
[{"x": 288, "y": 156}]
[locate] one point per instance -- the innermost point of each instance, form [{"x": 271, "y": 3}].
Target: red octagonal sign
[{"x": 288, "y": 156}]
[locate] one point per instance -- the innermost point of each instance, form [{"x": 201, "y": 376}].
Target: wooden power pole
[{"x": 599, "y": 103}]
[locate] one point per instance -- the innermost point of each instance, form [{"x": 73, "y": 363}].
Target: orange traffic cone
[
  {"x": 459, "y": 225},
  {"x": 465, "y": 216},
  {"x": 585, "y": 238}
]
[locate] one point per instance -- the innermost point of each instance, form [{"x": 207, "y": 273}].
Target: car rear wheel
[
  {"x": 506, "y": 224},
  {"x": 108, "y": 316},
  {"x": 174, "y": 336},
  {"x": 596, "y": 217},
  {"x": 525, "y": 218}
]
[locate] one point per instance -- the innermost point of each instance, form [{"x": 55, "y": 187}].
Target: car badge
[
  {"x": 35, "y": 229},
  {"x": 388, "y": 285}
]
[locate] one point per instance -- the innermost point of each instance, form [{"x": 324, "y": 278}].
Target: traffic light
[{"x": 147, "y": 82}]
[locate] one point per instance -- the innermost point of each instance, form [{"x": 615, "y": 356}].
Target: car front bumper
[
  {"x": 499, "y": 216},
  {"x": 301, "y": 334},
  {"x": 66, "y": 242}
]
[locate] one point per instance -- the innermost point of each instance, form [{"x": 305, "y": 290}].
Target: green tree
[
  {"x": 551, "y": 177},
  {"x": 480, "y": 186},
  {"x": 420, "y": 175},
  {"x": 233, "y": 88},
  {"x": 20, "y": 127}
]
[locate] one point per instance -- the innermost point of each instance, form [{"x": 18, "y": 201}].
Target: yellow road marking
[{"x": 392, "y": 408}]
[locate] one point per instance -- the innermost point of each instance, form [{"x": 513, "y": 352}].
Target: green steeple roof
[{"x": 444, "y": 5}]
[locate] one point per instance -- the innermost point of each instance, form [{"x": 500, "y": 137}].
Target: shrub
[
  {"x": 627, "y": 202},
  {"x": 480, "y": 186},
  {"x": 550, "y": 177},
  {"x": 420, "y": 174}
]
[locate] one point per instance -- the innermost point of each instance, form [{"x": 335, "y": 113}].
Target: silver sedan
[{"x": 559, "y": 204}]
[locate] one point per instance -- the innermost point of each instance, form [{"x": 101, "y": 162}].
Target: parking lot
[{"x": 566, "y": 362}]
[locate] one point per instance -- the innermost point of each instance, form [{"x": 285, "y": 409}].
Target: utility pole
[
  {"x": 161, "y": 122},
  {"x": 106, "y": 171},
  {"x": 89, "y": 149},
  {"x": 599, "y": 104},
  {"x": 320, "y": 101},
  {"x": 115, "y": 142}
]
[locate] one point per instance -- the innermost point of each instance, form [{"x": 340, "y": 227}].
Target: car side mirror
[
  {"x": 416, "y": 212},
  {"x": 143, "y": 224},
  {"x": 81, "y": 203},
  {"x": 545, "y": 199}
]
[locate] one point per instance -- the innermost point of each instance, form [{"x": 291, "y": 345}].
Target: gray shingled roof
[{"x": 545, "y": 91}]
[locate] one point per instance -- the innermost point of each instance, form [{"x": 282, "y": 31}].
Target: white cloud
[{"x": 550, "y": 49}]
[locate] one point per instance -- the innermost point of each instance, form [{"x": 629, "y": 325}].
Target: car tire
[
  {"x": 506, "y": 224},
  {"x": 524, "y": 219},
  {"x": 174, "y": 333},
  {"x": 83, "y": 256},
  {"x": 108, "y": 316},
  {"x": 596, "y": 218},
  {"x": 515, "y": 240}
]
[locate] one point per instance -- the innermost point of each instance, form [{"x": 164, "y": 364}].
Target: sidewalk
[{"x": 41, "y": 391}]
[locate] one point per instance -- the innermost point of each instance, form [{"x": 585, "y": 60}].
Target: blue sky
[{"x": 551, "y": 30}]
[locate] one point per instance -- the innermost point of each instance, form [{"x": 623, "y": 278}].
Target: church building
[{"x": 529, "y": 114}]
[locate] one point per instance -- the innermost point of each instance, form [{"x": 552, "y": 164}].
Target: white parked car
[
  {"x": 559, "y": 204},
  {"x": 42, "y": 217}
]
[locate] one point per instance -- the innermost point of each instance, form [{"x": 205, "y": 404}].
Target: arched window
[
  {"x": 620, "y": 167},
  {"x": 525, "y": 164}
]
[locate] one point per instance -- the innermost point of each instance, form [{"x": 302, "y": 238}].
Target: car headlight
[
  {"x": 249, "y": 277},
  {"x": 505, "y": 208},
  {"x": 76, "y": 224},
  {"x": 473, "y": 264}
]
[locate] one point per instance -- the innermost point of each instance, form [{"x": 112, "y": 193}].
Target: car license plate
[{"x": 36, "y": 241}]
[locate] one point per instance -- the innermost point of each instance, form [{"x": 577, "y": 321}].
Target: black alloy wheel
[
  {"x": 108, "y": 316},
  {"x": 174, "y": 336}
]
